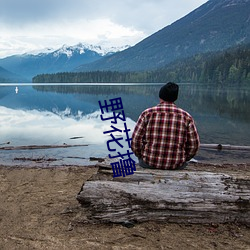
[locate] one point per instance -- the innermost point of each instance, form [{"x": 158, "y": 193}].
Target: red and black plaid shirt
[{"x": 165, "y": 136}]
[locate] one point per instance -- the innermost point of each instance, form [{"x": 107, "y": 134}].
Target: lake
[{"x": 60, "y": 114}]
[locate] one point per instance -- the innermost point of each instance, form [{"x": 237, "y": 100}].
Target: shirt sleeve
[
  {"x": 193, "y": 141},
  {"x": 138, "y": 136}
]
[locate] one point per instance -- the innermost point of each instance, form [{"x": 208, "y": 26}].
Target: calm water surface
[{"x": 70, "y": 114}]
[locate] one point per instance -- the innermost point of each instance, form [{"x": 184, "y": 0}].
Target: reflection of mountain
[
  {"x": 197, "y": 99},
  {"x": 108, "y": 89},
  {"x": 227, "y": 102},
  {"x": 33, "y": 127},
  {"x": 222, "y": 115},
  {"x": 90, "y": 95},
  {"x": 4, "y": 91}
]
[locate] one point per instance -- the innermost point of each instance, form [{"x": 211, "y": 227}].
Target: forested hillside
[
  {"x": 7, "y": 76},
  {"x": 214, "y": 26},
  {"x": 230, "y": 66}
]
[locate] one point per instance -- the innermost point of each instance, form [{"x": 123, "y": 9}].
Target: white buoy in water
[{"x": 16, "y": 90}]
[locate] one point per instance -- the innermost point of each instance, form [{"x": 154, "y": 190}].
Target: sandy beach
[{"x": 39, "y": 210}]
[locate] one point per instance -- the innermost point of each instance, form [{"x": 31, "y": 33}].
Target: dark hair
[{"x": 169, "y": 92}]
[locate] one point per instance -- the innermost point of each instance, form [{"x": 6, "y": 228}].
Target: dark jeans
[{"x": 145, "y": 165}]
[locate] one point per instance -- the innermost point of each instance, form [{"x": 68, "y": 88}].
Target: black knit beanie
[{"x": 169, "y": 92}]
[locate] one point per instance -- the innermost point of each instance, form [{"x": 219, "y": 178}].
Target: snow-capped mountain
[
  {"x": 64, "y": 59},
  {"x": 81, "y": 48}
]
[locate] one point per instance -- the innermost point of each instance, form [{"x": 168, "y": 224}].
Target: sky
[{"x": 32, "y": 25}]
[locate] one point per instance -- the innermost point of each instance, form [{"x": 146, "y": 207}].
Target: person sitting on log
[{"x": 165, "y": 136}]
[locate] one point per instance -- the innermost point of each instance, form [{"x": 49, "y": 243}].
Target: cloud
[
  {"x": 38, "y": 36},
  {"x": 22, "y": 12},
  {"x": 27, "y": 127},
  {"x": 142, "y": 14},
  {"x": 37, "y": 23}
]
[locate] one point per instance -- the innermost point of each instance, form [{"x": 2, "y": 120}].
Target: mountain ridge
[
  {"x": 9, "y": 77},
  {"x": 228, "y": 67},
  {"x": 65, "y": 58},
  {"x": 215, "y": 25}
]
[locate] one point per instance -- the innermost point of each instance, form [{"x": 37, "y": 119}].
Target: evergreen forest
[{"x": 231, "y": 66}]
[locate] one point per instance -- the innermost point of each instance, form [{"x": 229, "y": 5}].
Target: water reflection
[
  {"x": 51, "y": 114},
  {"x": 222, "y": 114},
  {"x": 33, "y": 127},
  {"x": 227, "y": 101}
]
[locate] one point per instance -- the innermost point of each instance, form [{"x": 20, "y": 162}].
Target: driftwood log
[
  {"x": 166, "y": 196},
  {"x": 224, "y": 147},
  {"x": 30, "y": 147}
]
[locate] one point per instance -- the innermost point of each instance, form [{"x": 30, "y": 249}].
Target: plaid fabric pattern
[{"x": 165, "y": 136}]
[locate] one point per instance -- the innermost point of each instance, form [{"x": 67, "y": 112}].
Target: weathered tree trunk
[
  {"x": 29, "y": 147},
  {"x": 167, "y": 196},
  {"x": 224, "y": 147}
]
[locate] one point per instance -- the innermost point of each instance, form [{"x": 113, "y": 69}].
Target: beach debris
[
  {"x": 96, "y": 159},
  {"x": 128, "y": 224},
  {"x": 40, "y": 159},
  {"x": 224, "y": 147},
  {"x": 29, "y": 147},
  {"x": 70, "y": 227},
  {"x": 67, "y": 210},
  {"x": 5, "y": 143},
  {"x": 76, "y": 137},
  {"x": 193, "y": 161}
]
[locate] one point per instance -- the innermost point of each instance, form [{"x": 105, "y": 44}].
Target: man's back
[{"x": 165, "y": 136}]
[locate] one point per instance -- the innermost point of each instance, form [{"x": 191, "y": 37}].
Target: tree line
[{"x": 231, "y": 66}]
